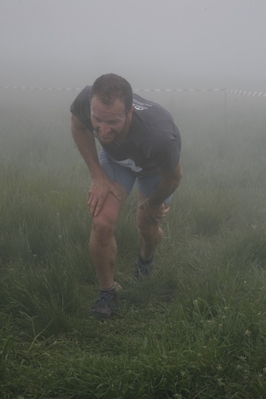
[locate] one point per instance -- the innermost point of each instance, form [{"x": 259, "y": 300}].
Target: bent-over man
[{"x": 140, "y": 143}]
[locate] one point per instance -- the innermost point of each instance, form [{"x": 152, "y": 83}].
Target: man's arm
[
  {"x": 100, "y": 186},
  {"x": 154, "y": 207},
  {"x": 86, "y": 144},
  {"x": 168, "y": 184}
]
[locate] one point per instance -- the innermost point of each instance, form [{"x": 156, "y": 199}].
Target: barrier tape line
[
  {"x": 230, "y": 91},
  {"x": 247, "y": 93},
  {"x": 78, "y": 88}
]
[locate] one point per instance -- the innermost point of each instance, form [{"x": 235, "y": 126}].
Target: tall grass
[{"x": 196, "y": 329}]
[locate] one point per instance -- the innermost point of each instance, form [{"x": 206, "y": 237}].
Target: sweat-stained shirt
[{"x": 153, "y": 140}]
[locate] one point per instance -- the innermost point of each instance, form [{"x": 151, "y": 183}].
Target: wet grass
[{"x": 196, "y": 329}]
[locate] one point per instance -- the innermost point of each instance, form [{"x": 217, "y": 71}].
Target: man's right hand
[
  {"x": 100, "y": 186},
  {"x": 98, "y": 191}
]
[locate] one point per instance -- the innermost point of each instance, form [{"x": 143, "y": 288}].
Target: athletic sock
[
  {"x": 145, "y": 262},
  {"x": 108, "y": 289}
]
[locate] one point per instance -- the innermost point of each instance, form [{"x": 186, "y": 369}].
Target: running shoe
[
  {"x": 142, "y": 271},
  {"x": 104, "y": 306}
]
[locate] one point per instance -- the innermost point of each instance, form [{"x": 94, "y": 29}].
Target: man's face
[{"x": 110, "y": 121}]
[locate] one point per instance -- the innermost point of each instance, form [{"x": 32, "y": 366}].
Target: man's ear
[{"x": 131, "y": 111}]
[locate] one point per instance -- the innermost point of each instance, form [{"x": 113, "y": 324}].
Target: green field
[{"x": 197, "y": 329}]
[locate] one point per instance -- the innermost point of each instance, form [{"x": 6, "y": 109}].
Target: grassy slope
[{"x": 197, "y": 328}]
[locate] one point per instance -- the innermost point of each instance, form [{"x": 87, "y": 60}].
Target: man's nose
[{"x": 104, "y": 129}]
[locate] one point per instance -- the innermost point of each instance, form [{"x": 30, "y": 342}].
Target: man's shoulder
[
  {"x": 141, "y": 104},
  {"x": 151, "y": 116},
  {"x": 81, "y": 105},
  {"x": 149, "y": 110},
  {"x": 84, "y": 94}
]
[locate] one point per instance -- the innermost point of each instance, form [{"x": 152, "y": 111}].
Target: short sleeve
[
  {"x": 81, "y": 106},
  {"x": 166, "y": 155}
]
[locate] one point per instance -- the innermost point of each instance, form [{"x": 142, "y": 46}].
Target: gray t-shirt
[{"x": 153, "y": 140}]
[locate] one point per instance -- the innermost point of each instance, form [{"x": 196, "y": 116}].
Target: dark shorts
[{"x": 127, "y": 178}]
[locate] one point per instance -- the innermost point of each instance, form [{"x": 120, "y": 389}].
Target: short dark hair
[{"x": 109, "y": 87}]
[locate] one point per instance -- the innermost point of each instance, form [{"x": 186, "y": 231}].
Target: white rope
[{"x": 230, "y": 91}]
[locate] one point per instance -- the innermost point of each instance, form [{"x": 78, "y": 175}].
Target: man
[{"x": 140, "y": 142}]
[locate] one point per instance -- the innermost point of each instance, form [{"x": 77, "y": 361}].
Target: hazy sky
[{"x": 152, "y": 43}]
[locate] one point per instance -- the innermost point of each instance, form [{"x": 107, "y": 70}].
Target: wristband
[{"x": 154, "y": 206}]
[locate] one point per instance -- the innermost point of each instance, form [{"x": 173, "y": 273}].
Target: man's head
[
  {"x": 110, "y": 87},
  {"x": 111, "y": 108}
]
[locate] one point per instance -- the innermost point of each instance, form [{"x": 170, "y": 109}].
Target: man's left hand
[{"x": 154, "y": 215}]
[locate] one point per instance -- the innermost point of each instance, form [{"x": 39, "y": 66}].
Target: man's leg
[
  {"x": 103, "y": 251},
  {"x": 150, "y": 233},
  {"x": 150, "y": 236},
  {"x": 102, "y": 241}
]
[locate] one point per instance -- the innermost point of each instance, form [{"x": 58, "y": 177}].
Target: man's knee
[{"x": 103, "y": 227}]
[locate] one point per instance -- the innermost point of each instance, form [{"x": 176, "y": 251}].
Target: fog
[{"x": 152, "y": 43}]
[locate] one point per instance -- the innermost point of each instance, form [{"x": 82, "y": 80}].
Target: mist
[
  {"x": 197, "y": 327},
  {"x": 152, "y": 43}
]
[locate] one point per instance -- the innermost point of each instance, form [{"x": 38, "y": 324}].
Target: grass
[{"x": 197, "y": 329}]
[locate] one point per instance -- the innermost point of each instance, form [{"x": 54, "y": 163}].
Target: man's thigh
[
  {"x": 122, "y": 175},
  {"x": 111, "y": 209},
  {"x": 147, "y": 185}
]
